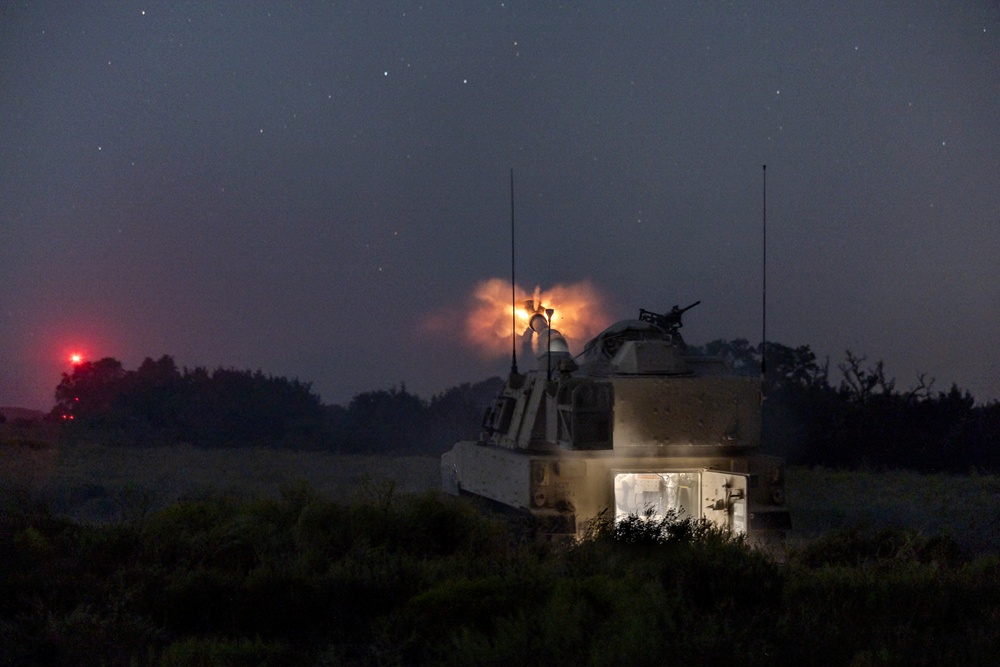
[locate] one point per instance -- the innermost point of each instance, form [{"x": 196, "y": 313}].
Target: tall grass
[
  {"x": 96, "y": 483},
  {"x": 181, "y": 556},
  {"x": 397, "y": 579},
  {"x": 961, "y": 507}
]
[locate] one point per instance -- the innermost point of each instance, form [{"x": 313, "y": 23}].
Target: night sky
[{"x": 318, "y": 189}]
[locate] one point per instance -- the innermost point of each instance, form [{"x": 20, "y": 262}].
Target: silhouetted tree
[
  {"x": 398, "y": 422},
  {"x": 382, "y": 421},
  {"x": 157, "y": 402},
  {"x": 92, "y": 393},
  {"x": 865, "y": 420}
]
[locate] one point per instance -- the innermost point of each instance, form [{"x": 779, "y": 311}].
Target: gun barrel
[{"x": 670, "y": 321}]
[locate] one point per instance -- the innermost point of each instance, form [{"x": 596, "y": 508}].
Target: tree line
[
  {"x": 158, "y": 403},
  {"x": 862, "y": 420},
  {"x": 865, "y": 419}
]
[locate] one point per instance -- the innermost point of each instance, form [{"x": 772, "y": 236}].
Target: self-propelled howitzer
[{"x": 632, "y": 424}]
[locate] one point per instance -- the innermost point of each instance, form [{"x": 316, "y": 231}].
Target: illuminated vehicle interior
[{"x": 637, "y": 492}]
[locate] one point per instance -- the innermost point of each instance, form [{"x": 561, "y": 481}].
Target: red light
[{"x": 76, "y": 358}]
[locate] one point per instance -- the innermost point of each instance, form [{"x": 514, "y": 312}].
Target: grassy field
[
  {"x": 91, "y": 482},
  {"x": 965, "y": 508},
  {"x": 181, "y": 556}
]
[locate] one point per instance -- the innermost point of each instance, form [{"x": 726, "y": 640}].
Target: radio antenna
[
  {"x": 763, "y": 305},
  {"x": 513, "y": 304}
]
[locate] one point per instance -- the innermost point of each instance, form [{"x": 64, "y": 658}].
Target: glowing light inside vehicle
[{"x": 635, "y": 493}]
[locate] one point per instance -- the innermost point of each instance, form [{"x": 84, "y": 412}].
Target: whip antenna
[
  {"x": 763, "y": 305},
  {"x": 513, "y": 305}
]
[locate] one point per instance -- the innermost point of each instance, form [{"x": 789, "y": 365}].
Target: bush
[{"x": 390, "y": 579}]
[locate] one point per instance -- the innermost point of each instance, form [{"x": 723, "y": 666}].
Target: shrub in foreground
[{"x": 428, "y": 580}]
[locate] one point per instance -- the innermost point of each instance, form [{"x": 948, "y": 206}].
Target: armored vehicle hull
[{"x": 638, "y": 425}]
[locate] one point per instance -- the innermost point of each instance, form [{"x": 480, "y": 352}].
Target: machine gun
[{"x": 670, "y": 322}]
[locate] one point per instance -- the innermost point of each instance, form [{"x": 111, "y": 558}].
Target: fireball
[{"x": 578, "y": 313}]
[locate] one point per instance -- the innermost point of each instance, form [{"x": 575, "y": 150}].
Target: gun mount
[
  {"x": 671, "y": 322},
  {"x": 633, "y": 422}
]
